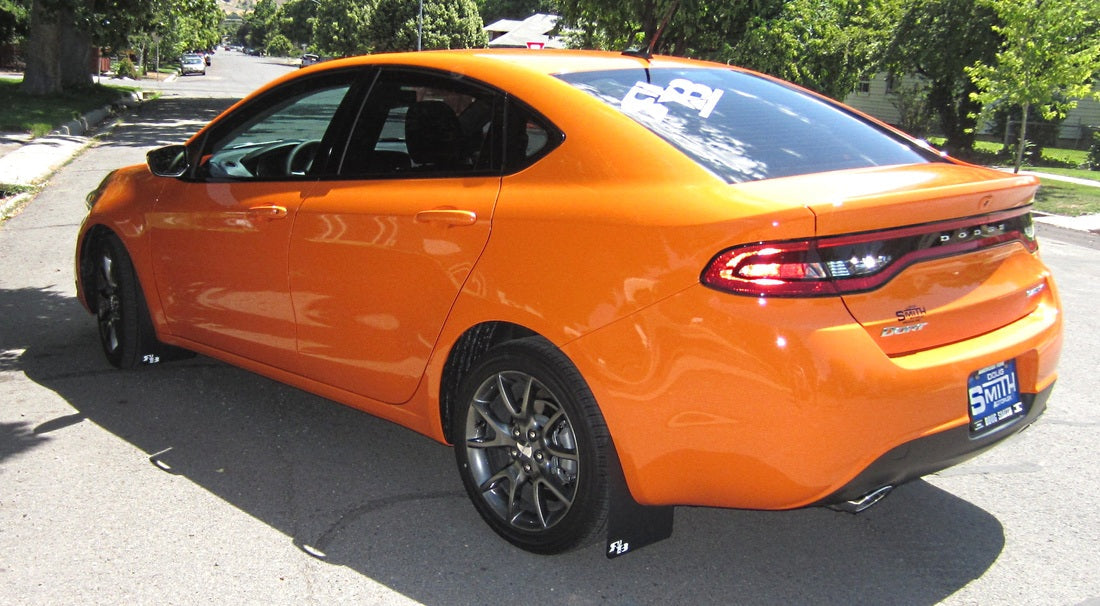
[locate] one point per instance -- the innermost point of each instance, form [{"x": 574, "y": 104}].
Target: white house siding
[
  {"x": 1076, "y": 129},
  {"x": 1081, "y": 122},
  {"x": 875, "y": 100}
]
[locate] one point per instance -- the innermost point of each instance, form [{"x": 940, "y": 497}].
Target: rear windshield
[{"x": 743, "y": 127}]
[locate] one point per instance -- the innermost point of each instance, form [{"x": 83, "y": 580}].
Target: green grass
[
  {"x": 1068, "y": 199},
  {"x": 1064, "y": 157},
  {"x": 39, "y": 115},
  {"x": 1055, "y": 197},
  {"x": 1059, "y": 197},
  {"x": 1080, "y": 173},
  {"x": 10, "y": 189},
  {"x": 989, "y": 152}
]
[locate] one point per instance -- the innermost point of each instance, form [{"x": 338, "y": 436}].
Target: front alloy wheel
[
  {"x": 531, "y": 446},
  {"x": 118, "y": 303}
]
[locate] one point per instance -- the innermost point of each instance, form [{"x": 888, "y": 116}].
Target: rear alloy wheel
[
  {"x": 531, "y": 448},
  {"x": 119, "y": 305}
]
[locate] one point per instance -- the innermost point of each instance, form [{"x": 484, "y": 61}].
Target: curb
[
  {"x": 35, "y": 161},
  {"x": 81, "y": 125},
  {"x": 8, "y": 205},
  {"x": 1079, "y": 237}
]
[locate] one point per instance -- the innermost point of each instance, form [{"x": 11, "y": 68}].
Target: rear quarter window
[{"x": 743, "y": 127}]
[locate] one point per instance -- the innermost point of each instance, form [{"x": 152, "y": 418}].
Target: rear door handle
[
  {"x": 447, "y": 216},
  {"x": 267, "y": 212}
]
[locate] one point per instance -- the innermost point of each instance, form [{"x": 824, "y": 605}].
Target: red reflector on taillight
[
  {"x": 857, "y": 262},
  {"x": 789, "y": 268}
]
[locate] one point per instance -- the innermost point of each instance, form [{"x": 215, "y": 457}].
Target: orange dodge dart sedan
[{"x": 615, "y": 283}]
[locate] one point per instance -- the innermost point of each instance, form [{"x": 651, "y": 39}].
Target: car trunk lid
[{"x": 962, "y": 265}]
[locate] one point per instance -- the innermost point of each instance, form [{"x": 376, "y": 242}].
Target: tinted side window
[
  {"x": 282, "y": 135},
  {"x": 416, "y": 124},
  {"x": 744, "y": 127},
  {"x": 528, "y": 137}
]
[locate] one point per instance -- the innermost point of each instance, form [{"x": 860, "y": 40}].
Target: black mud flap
[
  {"x": 631, "y": 526},
  {"x": 155, "y": 352},
  {"x": 152, "y": 350},
  {"x": 159, "y": 352}
]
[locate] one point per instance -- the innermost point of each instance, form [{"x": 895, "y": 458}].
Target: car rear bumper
[
  {"x": 726, "y": 401},
  {"x": 933, "y": 453}
]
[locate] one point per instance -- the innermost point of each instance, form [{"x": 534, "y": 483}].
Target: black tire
[
  {"x": 531, "y": 447},
  {"x": 123, "y": 319}
]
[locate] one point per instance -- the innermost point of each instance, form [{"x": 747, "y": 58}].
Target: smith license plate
[{"x": 994, "y": 398}]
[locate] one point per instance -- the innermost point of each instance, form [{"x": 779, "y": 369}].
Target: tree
[
  {"x": 279, "y": 45},
  {"x": 62, "y": 32},
  {"x": 195, "y": 24},
  {"x": 694, "y": 28},
  {"x": 49, "y": 65},
  {"x": 14, "y": 18},
  {"x": 938, "y": 40},
  {"x": 230, "y": 28},
  {"x": 824, "y": 45},
  {"x": 339, "y": 27},
  {"x": 295, "y": 20},
  {"x": 495, "y": 10},
  {"x": 1050, "y": 53},
  {"x": 447, "y": 24},
  {"x": 174, "y": 27},
  {"x": 618, "y": 25},
  {"x": 261, "y": 23}
]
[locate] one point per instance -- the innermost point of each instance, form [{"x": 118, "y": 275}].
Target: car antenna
[{"x": 647, "y": 54}]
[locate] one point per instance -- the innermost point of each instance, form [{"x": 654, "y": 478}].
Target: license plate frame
[{"x": 993, "y": 395}]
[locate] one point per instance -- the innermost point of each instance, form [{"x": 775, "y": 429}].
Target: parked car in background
[
  {"x": 192, "y": 64},
  {"x": 206, "y": 54},
  {"x": 615, "y": 284},
  {"x": 309, "y": 59}
]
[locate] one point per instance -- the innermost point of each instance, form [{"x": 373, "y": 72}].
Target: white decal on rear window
[{"x": 649, "y": 99}]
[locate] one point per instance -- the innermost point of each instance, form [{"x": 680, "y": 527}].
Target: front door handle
[
  {"x": 447, "y": 216},
  {"x": 267, "y": 212}
]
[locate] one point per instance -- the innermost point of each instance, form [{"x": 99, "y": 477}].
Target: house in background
[
  {"x": 882, "y": 96},
  {"x": 532, "y": 32},
  {"x": 878, "y": 96}
]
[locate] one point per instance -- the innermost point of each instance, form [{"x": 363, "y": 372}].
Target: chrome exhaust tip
[{"x": 864, "y": 502}]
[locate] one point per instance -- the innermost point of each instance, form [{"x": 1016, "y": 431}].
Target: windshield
[{"x": 743, "y": 127}]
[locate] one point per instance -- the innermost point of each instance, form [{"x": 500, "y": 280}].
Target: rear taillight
[{"x": 852, "y": 263}]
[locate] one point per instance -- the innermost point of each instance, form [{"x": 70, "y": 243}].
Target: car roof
[
  {"x": 546, "y": 61},
  {"x": 529, "y": 74}
]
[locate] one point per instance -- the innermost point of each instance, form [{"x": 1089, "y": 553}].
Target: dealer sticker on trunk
[{"x": 994, "y": 398}]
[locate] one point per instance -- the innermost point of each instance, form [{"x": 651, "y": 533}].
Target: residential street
[{"x": 198, "y": 483}]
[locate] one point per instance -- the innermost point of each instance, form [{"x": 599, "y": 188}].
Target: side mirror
[{"x": 170, "y": 161}]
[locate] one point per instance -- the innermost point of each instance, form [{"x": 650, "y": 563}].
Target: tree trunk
[
  {"x": 76, "y": 53},
  {"x": 43, "y": 53},
  {"x": 58, "y": 53},
  {"x": 1023, "y": 138},
  {"x": 954, "y": 108}
]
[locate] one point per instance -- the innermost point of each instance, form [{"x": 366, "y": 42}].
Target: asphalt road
[{"x": 195, "y": 482}]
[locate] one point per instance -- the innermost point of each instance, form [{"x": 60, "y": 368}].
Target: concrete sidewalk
[
  {"x": 27, "y": 162},
  {"x": 31, "y": 164},
  {"x": 1083, "y": 223}
]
